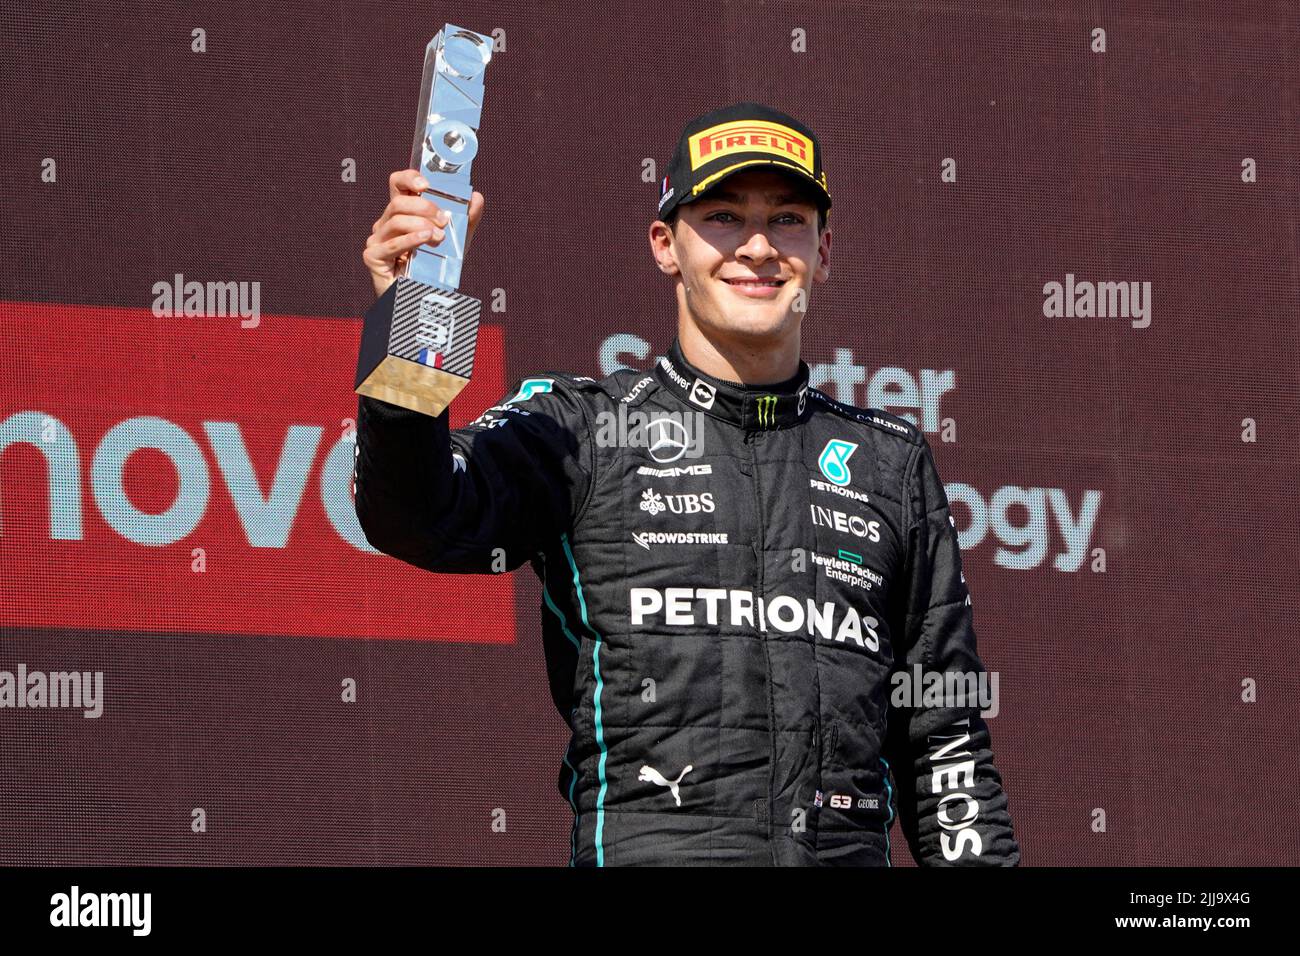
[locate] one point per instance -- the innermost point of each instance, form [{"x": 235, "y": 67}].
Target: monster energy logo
[{"x": 766, "y": 410}]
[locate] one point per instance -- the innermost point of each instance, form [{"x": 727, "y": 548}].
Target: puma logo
[{"x": 651, "y": 775}]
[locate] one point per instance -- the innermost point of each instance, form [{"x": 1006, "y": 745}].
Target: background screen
[{"x": 175, "y": 504}]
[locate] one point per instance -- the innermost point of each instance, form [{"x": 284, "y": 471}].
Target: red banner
[{"x": 188, "y": 474}]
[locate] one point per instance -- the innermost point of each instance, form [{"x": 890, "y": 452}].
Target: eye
[
  {"x": 791, "y": 217},
  {"x": 716, "y": 216}
]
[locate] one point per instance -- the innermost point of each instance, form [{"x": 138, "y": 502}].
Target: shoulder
[
  {"x": 875, "y": 419},
  {"x": 613, "y": 388},
  {"x": 569, "y": 396}
]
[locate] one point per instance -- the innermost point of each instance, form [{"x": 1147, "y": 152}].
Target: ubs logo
[{"x": 685, "y": 504}]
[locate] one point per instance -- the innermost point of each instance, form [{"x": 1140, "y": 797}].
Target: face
[{"x": 746, "y": 254}]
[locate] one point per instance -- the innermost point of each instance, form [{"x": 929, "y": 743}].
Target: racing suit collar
[{"x": 754, "y": 408}]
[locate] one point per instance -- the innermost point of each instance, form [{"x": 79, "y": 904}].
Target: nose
[{"x": 756, "y": 248}]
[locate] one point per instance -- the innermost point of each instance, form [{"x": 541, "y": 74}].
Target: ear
[
  {"x": 663, "y": 247},
  {"x": 823, "y": 270}
]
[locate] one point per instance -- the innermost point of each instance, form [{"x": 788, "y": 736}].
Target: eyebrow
[{"x": 780, "y": 199}]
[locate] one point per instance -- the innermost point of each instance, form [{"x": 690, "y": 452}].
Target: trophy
[{"x": 418, "y": 339}]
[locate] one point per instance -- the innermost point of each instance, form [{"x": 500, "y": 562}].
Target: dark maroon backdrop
[{"x": 1120, "y": 690}]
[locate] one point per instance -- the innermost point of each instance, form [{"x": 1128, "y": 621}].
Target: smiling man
[{"x": 724, "y": 602}]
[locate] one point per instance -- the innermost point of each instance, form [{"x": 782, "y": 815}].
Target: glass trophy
[{"x": 418, "y": 339}]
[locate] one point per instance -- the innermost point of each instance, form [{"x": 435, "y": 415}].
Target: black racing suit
[{"x": 730, "y": 577}]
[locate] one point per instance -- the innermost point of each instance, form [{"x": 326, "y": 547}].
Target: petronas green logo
[{"x": 766, "y": 410}]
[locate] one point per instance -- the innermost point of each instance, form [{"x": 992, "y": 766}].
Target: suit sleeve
[
  {"x": 461, "y": 501},
  {"x": 952, "y": 807}
]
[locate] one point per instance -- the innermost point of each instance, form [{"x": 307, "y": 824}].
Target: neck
[{"x": 764, "y": 362}]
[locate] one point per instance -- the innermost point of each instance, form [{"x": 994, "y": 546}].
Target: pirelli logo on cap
[{"x": 750, "y": 136}]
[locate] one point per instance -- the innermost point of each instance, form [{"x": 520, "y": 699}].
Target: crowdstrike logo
[
  {"x": 682, "y": 607},
  {"x": 646, "y": 538}
]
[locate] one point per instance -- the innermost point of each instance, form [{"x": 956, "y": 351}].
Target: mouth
[
  {"x": 756, "y": 282},
  {"x": 756, "y": 287}
]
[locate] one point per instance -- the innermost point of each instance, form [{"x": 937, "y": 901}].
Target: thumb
[{"x": 475, "y": 214}]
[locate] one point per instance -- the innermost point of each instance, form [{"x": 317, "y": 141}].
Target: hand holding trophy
[
  {"x": 418, "y": 341},
  {"x": 409, "y": 220}
]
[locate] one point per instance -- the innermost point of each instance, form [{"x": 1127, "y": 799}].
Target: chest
[{"x": 806, "y": 512}]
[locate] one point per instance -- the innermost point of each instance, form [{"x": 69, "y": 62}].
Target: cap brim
[{"x": 797, "y": 173}]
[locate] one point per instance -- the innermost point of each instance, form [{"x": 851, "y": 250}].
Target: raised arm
[{"x": 497, "y": 490}]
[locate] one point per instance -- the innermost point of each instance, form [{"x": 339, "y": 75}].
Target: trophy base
[{"x": 417, "y": 346}]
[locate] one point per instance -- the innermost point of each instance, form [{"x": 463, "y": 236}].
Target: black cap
[{"x": 727, "y": 140}]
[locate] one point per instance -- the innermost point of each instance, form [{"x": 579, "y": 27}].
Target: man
[{"x": 732, "y": 563}]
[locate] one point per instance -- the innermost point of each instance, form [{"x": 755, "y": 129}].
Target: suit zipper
[{"x": 759, "y": 551}]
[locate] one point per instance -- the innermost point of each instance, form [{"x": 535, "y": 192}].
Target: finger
[
  {"x": 383, "y": 254},
  {"x": 404, "y": 225},
  {"x": 406, "y": 182},
  {"x": 415, "y": 205},
  {"x": 475, "y": 214}
]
